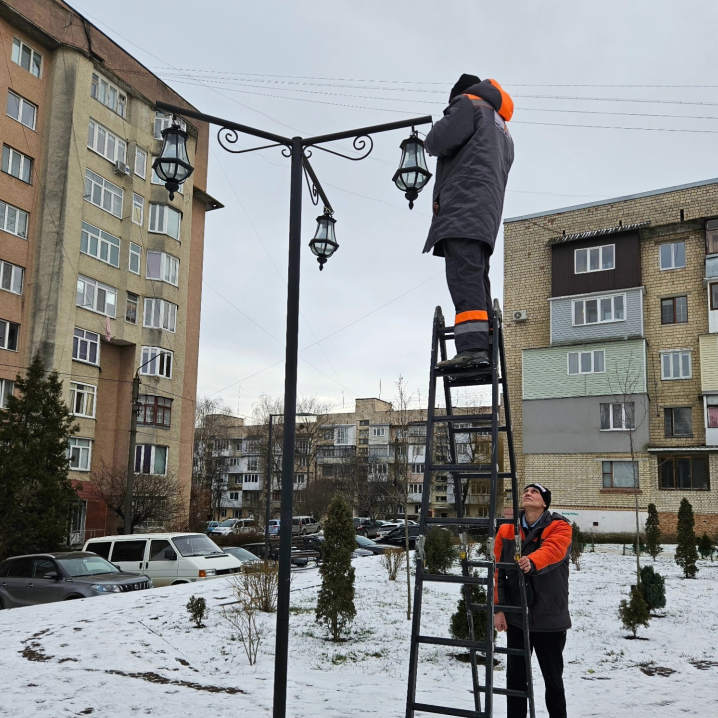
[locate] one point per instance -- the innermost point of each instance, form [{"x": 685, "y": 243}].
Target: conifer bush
[
  {"x": 439, "y": 551},
  {"x": 578, "y": 544},
  {"x": 459, "y": 625},
  {"x": 653, "y": 532},
  {"x": 197, "y": 609},
  {"x": 335, "y": 603},
  {"x": 705, "y": 546},
  {"x": 686, "y": 553},
  {"x": 653, "y": 588},
  {"x": 634, "y": 612}
]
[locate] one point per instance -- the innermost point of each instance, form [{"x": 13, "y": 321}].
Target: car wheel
[
  {"x": 2, "y": 605},
  {"x": 178, "y": 583},
  {"x": 72, "y": 598},
  {"x": 303, "y": 532}
]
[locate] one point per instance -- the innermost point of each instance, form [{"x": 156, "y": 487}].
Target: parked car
[
  {"x": 233, "y": 526},
  {"x": 390, "y": 526},
  {"x": 241, "y": 554},
  {"x": 368, "y": 545},
  {"x": 304, "y": 525},
  {"x": 48, "y": 577},
  {"x": 397, "y": 537},
  {"x": 367, "y": 527},
  {"x": 168, "y": 558},
  {"x": 210, "y": 526},
  {"x": 361, "y": 553},
  {"x": 274, "y": 527}
]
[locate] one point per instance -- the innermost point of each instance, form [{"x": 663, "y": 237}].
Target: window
[
  {"x": 234, "y": 495},
  {"x": 7, "y": 386},
  {"x": 103, "y": 194},
  {"x": 674, "y": 310},
  {"x": 11, "y": 277},
  {"x": 108, "y": 94},
  {"x": 21, "y": 110},
  {"x": 135, "y": 258},
  {"x": 165, "y": 220},
  {"x": 253, "y": 463},
  {"x": 150, "y": 459},
  {"x": 8, "y": 335},
  {"x": 96, "y": 297},
  {"x": 618, "y": 417},
  {"x": 364, "y": 422},
  {"x": 13, "y": 220},
  {"x": 160, "y": 550},
  {"x": 79, "y": 451},
  {"x": 301, "y": 446},
  {"x": 86, "y": 346},
  {"x": 620, "y": 474},
  {"x": 106, "y": 143},
  {"x": 378, "y": 431},
  {"x": 594, "y": 259},
  {"x": 163, "y": 267},
  {"x": 82, "y": 399},
  {"x": 712, "y": 412},
  {"x": 154, "y": 179},
  {"x": 379, "y": 469},
  {"x": 160, "y": 314},
  {"x": 683, "y": 472},
  {"x": 155, "y": 411},
  {"x": 163, "y": 121},
  {"x": 140, "y": 163},
  {"x": 138, "y": 209},
  {"x": 302, "y": 461},
  {"x": 342, "y": 435},
  {"x": 417, "y": 468},
  {"x": 16, "y": 164},
  {"x": 587, "y": 362},
  {"x": 26, "y": 57},
  {"x": 327, "y": 470},
  {"x": 678, "y": 422},
  {"x": 100, "y": 245},
  {"x": 157, "y": 362},
  {"x": 676, "y": 365},
  {"x": 131, "y": 308},
  {"x": 416, "y": 488},
  {"x": 599, "y": 310},
  {"x": 672, "y": 255},
  {"x": 251, "y": 478}
]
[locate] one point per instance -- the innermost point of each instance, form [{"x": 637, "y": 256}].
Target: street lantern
[
  {"x": 324, "y": 242},
  {"x": 173, "y": 166},
  {"x": 412, "y": 174}
]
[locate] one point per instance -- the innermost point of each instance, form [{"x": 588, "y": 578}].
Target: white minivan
[{"x": 168, "y": 558}]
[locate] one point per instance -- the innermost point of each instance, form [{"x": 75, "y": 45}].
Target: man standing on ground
[
  {"x": 545, "y": 554},
  {"x": 475, "y": 152}
]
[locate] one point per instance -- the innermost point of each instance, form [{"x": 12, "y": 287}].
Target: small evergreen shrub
[
  {"x": 578, "y": 544},
  {"x": 459, "y": 625},
  {"x": 634, "y": 612},
  {"x": 705, "y": 546},
  {"x": 197, "y": 609},
  {"x": 653, "y": 532},
  {"x": 686, "y": 554},
  {"x": 439, "y": 551},
  {"x": 653, "y": 588}
]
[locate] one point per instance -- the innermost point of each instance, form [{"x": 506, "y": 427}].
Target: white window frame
[
  {"x": 94, "y": 296},
  {"x": 154, "y": 177},
  {"x": 588, "y": 250},
  {"x": 623, "y": 426},
  {"x": 5, "y": 342},
  {"x": 101, "y": 89},
  {"x": 7, "y": 387},
  {"x": 17, "y": 47},
  {"x": 132, "y": 297},
  {"x": 26, "y": 163},
  {"x": 17, "y": 277},
  {"x": 106, "y": 244},
  {"x": 234, "y": 495},
  {"x": 162, "y": 122},
  {"x": 681, "y": 353},
  {"x": 84, "y": 338},
  {"x": 579, "y": 363},
  {"x": 107, "y": 190},
  {"x": 169, "y": 268},
  {"x": 141, "y": 449},
  {"x": 99, "y": 139},
  {"x": 20, "y": 223},
  {"x": 138, "y": 209},
  {"x": 86, "y": 396},
  {"x": 159, "y": 219},
  {"x": 21, "y": 103},
  {"x": 636, "y": 477},
  {"x": 378, "y": 431},
  {"x": 160, "y": 314},
  {"x": 157, "y": 361},
  {"x": 82, "y": 449},
  {"x": 673, "y": 256},
  {"x": 598, "y": 301},
  {"x": 136, "y": 252},
  {"x": 142, "y": 155},
  {"x": 250, "y": 478}
]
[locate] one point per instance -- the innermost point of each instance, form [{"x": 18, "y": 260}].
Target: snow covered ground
[{"x": 134, "y": 655}]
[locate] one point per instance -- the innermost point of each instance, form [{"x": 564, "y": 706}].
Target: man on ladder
[
  {"x": 475, "y": 153},
  {"x": 544, "y": 549}
]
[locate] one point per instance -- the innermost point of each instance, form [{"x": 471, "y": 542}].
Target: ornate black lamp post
[
  {"x": 323, "y": 245},
  {"x": 412, "y": 174},
  {"x": 173, "y": 166}
]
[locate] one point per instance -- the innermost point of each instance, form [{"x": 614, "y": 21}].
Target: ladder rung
[
  {"x": 467, "y": 521},
  {"x": 489, "y": 564},
  {"x": 504, "y": 609},
  {"x": 463, "y": 417},
  {"x": 441, "y": 578},
  {"x": 510, "y": 651},
  {"x": 505, "y": 692},
  {"x": 478, "y": 429},
  {"x": 486, "y": 371},
  {"x": 469, "y": 467},
  {"x": 442, "y": 710},
  {"x": 456, "y": 643},
  {"x": 479, "y": 381}
]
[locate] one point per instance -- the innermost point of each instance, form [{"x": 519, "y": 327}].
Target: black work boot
[{"x": 466, "y": 360}]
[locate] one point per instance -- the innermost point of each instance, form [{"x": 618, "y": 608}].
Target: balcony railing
[{"x": 335, "y": 452}]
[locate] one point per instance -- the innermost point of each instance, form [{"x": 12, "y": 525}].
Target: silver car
[{"x": 48, "y": 577}]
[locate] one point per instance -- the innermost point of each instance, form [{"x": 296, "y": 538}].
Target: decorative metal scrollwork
[
  {"x": 286, "y": 152},
  {"x": 227, "y": 137},
  {"x": 312, "y": 187},
  {"x": 359, "y": 144}
]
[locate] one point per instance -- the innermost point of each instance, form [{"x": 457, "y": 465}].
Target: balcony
[
  {"x": 712, "y": 266},
  {"x": 335, "y": 452}
]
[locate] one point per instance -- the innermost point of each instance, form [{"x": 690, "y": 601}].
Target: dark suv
[
  {"x": 397, "y": 537},
  {"x": 48, "y": 577}
]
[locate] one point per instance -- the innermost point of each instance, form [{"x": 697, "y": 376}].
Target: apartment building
[
  {"x": 101, "y": 272},
  {"x": 616, "y": 359}
]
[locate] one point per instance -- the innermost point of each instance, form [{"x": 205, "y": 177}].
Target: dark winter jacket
[
  {"x": 475, "y": 152},
  {"x": 548, "y": 545}
]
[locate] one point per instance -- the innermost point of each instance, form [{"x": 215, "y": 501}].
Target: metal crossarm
[{"x": 474, "y": 572}]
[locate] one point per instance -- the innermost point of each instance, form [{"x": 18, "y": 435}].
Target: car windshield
[
  {"x": 196, "y": 545},
  {"x": 86, "y": 566},
  {"x": 228, "y": 522},
  {"x": 241, "y": 553},
  {"x": 363, "y": 541},
  {"x": 274, "y": 523}
]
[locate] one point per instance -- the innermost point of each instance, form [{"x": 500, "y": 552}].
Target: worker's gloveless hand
[
  {"x": 525, "y": 564},
  {"x": 500, "y": 621}
]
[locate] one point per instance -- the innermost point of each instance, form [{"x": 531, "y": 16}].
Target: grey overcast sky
[{"x": 583, "y": 76}]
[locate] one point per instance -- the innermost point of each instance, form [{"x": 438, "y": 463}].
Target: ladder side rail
[
  {"x": 452, "y": 453},
  {"x": 517, "y": 528}
]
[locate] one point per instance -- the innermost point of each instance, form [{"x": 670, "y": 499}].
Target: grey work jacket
[{"x": 475, "y": 153}]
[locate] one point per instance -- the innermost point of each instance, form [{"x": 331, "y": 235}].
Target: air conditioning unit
[
  {"x": 520, "y": 315},
  {"x": 121, "y": 168}
]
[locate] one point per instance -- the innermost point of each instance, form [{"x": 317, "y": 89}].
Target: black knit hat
[
  {"x": 464, "y": 83},
  {"x": 545, "y": 493}
]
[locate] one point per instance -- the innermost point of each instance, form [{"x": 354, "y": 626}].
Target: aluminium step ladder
[{"x": 462, "y": 473}]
